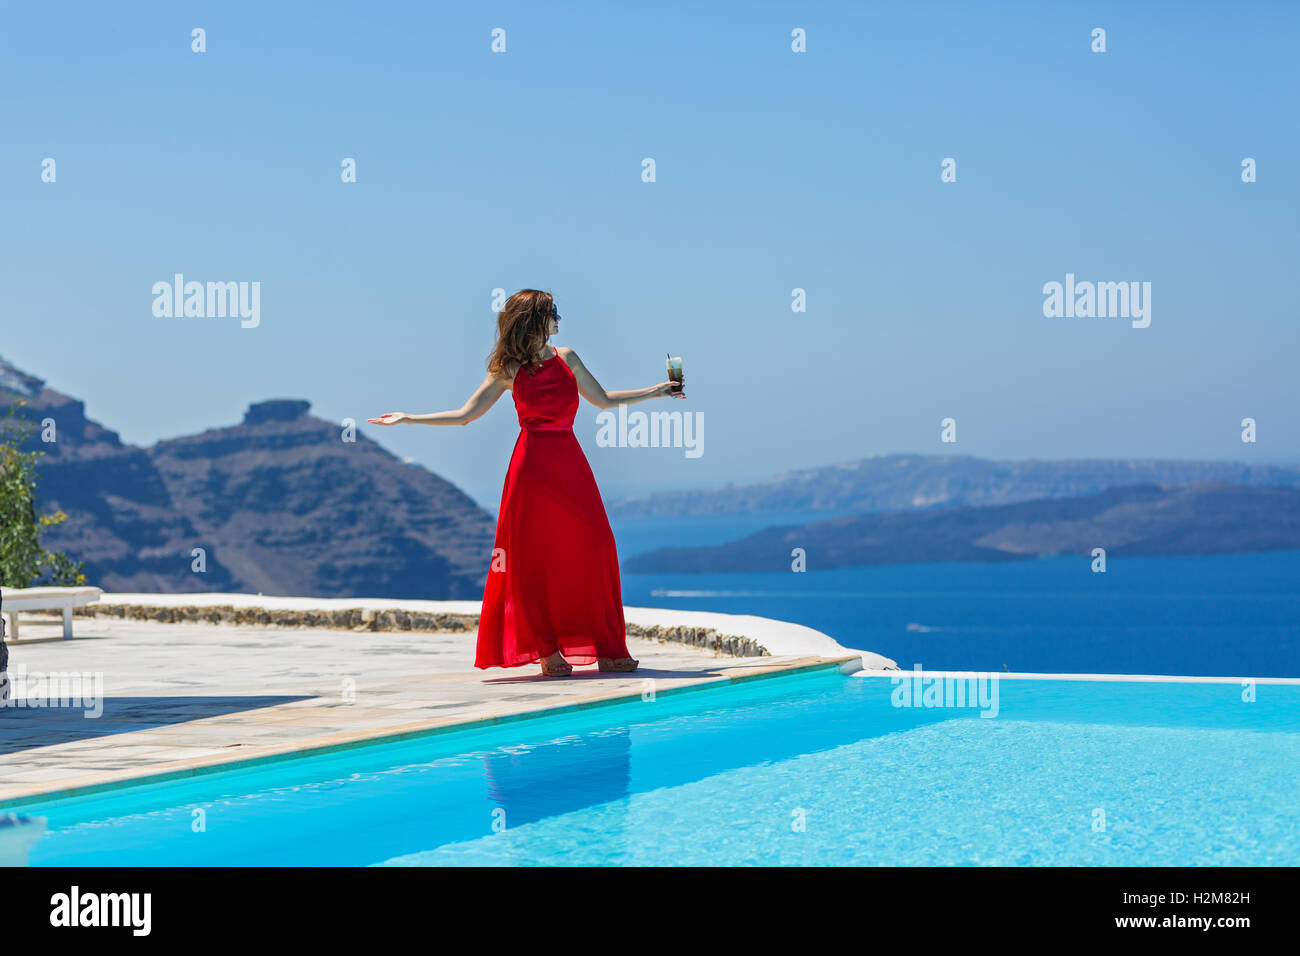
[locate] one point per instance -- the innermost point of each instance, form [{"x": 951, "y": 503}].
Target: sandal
[
  {"x": 621, "y": 665},
  {"x": 555, "y": 668}
]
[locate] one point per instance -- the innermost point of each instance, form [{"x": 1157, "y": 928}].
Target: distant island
[
  {"x": 279, "y": 503},
  {"x": 1141, "y": 520},
  {"x": 906, "y": 482}
]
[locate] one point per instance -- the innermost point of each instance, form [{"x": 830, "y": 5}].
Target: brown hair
[{"x": 521, "y": 331}]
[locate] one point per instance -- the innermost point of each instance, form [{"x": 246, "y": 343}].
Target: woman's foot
[
  {"x": 617, "y": 664},
  {"x": 556, "y": 666}
]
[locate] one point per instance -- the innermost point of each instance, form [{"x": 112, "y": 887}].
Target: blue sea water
[
  {"x": 817, "y": 769},
  {"x": 1222, "y": 615}
]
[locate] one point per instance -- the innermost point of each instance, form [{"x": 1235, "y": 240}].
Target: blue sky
[{"x": 775, "y": 170}]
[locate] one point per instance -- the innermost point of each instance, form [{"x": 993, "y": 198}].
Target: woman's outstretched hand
[
  {"x": 388, "y": 418},
  {"x": 670, "y": 389}
]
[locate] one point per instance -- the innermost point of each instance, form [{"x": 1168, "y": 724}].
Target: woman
[{"x": 553, "y": 594}]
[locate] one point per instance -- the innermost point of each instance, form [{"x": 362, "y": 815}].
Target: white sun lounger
[{"x": 45, "y": 599}]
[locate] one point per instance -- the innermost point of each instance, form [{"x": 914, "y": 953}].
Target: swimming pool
[{"x": 817, "y": 768}]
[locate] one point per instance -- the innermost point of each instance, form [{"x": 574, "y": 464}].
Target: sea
[{"x": 1235, "y": 615}]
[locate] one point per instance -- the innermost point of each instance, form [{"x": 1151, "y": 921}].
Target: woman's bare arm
[
  {"x": 482, "y": 399},
  {"x": 595, "y": 393}
]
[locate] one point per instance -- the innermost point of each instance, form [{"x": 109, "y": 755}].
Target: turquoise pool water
[{"x": 809, "y": 769}]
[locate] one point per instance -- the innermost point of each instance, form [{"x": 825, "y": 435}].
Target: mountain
[
  {"x": 902, "y": 482},
  {"x": 279, "y": 503},
  {"x": 120, "y": 518},
  {"x": 1141, "y": 520}
]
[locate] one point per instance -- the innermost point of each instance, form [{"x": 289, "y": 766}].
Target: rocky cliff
[{"x": 280, "y": 504}]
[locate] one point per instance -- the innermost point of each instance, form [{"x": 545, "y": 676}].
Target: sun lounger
[{"x": 13, "y": 600}]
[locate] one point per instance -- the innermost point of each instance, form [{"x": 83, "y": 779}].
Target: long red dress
[{"x": 554, "y": 580}]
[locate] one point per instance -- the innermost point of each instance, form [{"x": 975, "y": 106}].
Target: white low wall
[{"x": 781, "y": 638}]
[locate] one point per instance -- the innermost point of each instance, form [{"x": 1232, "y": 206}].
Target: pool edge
[{"x": 333, "y": 743}]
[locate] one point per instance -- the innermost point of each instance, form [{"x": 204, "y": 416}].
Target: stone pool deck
[{"x": 178, "y": 699}]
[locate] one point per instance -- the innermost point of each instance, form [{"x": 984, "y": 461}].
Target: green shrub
[{"x": 23, "y": 562}]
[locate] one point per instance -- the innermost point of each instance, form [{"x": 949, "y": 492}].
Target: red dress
[{"x": 554, "y": 580}]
